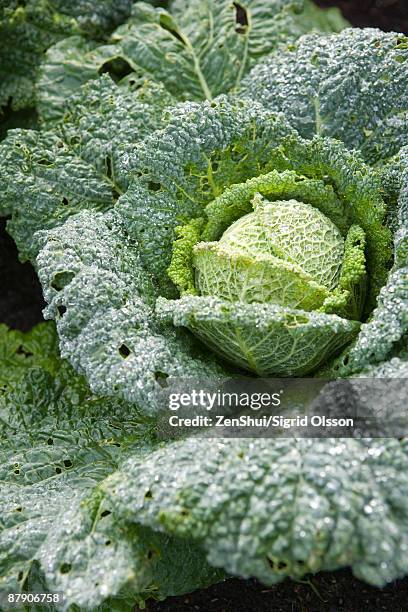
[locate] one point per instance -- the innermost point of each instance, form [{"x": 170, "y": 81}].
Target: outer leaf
[
  {"x": 103, "y": 301},
  {"x": 57, "y": 442},
  {"x": 200, "y": 50},
  {"x": 385, "y": 334},
  {"x": 277, "y": 508},
  {"x": 264, "y": 338},
  {"x": 48, "y": 176},
  {"x": 350, "y": 86},
  {"x": 26, "y": 32},
  {"x": 28, "y": 29}
]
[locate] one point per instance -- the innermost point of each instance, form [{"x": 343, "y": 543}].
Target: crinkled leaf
[
  {"x": 50, "y": 175},
  {"x": 265, "y": 338},
  {"x": 350, "y": 86},
  {"x": 385, "y": 334},
  {"x": 58, "y": 441},
  {"x": 197, "y": 51},
  {"x": 276, "y": 508},
  {"x": 27, "y": 29},
  {"x": 103, "y": 301}
]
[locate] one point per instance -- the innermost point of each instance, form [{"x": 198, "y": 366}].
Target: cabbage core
[{"x": 284, "y": 252}]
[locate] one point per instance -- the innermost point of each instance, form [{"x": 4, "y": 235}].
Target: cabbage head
[{"x": 280, "y": 269}]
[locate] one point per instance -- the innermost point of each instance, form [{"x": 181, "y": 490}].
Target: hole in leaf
[
  {"x": 154, "y": 186},
  {"x": 161, "y": 378},
  {"x": 67, "y": 463},
  {"x": 148, "y": 494},
  {"x": 314, "y": 60},
  {"x": 117, "y": 68},
  {"x": 58, "y": 470},
  {"x": 65, "y": 201},
  {"x": 105, "y": 513},
  {"x": 44, "y": 162},
  {"x": 50, "y": 441},
  {"x": 107, "y": 543},
  {"x": 65, "y": 568},
  {"x": 20, "y": 576},
  {"x": 295, "y": 320},
  {"x": 241, "y": 18},
  {"x": 124, "y": 351},
  {"x": 108, "y": 166},
  {"x": 61, "y": 279},
  {"x": 19, "y": 509},
  {"x": 17, "y": 472},
  {"x": 21, "y": 351},
  {"x": 61, "y": 310}
]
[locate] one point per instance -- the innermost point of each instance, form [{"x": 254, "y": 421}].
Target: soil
[
  {"x": 21, "y": 300},
  {"x": 21, "y": 304},
  {"x": 325, "y": 592},
  {"x": 388, "y": 15}
]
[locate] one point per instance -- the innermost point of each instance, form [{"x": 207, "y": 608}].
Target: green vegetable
[
  {"x": 75, "y": 166},
  {"x": 58, "y": 441},
  {"x": 197, "y": 51},
  {"x": 191, "y": 240},
  {"x": 277, "y": 508},
  {"x": 27, "y": 29},
  {"x": 350, "y": 86},
  {"x": 257, "y": 276},
  {"x": 285, "y": 252}
]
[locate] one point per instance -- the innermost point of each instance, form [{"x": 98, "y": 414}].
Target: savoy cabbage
[{"x": 177, "y": 232}]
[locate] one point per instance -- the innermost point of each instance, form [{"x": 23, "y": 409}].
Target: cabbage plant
[
  {"x": 205, "y": 239},
  {"x": 280, "y": 289}
]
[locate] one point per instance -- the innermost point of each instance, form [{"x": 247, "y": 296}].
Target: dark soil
[
  {"x": 325, "y": 592},
  {"x": 21, "y": 300},
  {"x": 20, "y": 307},
  {"x": 387, "y": 15}
]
